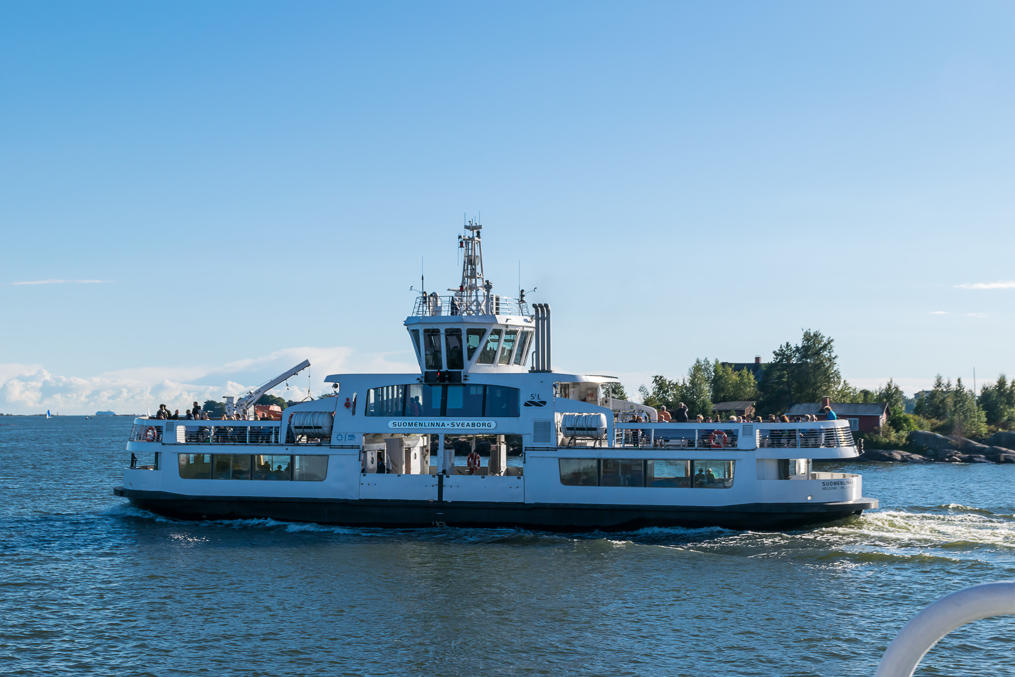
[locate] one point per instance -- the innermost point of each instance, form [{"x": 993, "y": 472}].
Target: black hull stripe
[{"x": 540, "y": 516}]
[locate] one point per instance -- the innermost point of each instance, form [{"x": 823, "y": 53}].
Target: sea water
[{"x": 91, "y": 586}]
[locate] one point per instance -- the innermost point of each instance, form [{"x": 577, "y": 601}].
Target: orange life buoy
[
  {"x": 150, "y": 434},
  {"x": 473, "y": 462},
  {"x": 718, "y": 439}
]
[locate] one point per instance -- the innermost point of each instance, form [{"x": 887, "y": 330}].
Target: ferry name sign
[{"x": 440, "y": 424}]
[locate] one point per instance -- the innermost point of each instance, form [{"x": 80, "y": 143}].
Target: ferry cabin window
[
  {"x": 473, "y": 338},
  {"x": 465, "y": 400},
  {"x": 523, "y": 347},
  {"x": 489, "y": 352},
  {"x": 310, "y": 468},
  {"x": 385, "y": 401},
  {"x": 501, "y": 401},
  {"x": 421, "y": 400},
  {"x": 713, "y": 474},
  {"x": 415, "y": 340},
  {"x": 195, "y": 466},
  {"x": 432, "y": 347},
  {"x": 453, "y": 343},
  {"x": 272, "y": 467},
  {"x": 668, "y": 473},
  {"x": 622, "y": 472},
  {"x": 618, "y": 472},
  {"x": 509, "y": 344},
  {"x": 579, "y": 472}
]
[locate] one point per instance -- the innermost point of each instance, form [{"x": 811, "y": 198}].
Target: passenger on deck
[
  {"x": 664, "y": 416},
  {"x": 636, "y": 434},
  {"x": 710, "y": 476},
  {"x": 699, "y": 477},
  {"x": 784, "y": 419},
  {"x": 162, "y": 413},
  {"x": 681, "y": 413},
  {"x": 381, "y": 468},
  {"x": 176, "y": 415},
  {"x": 699, "y": 418},
  {"x": 196, "y": 411},
  {"x": 829, "y": 414}
]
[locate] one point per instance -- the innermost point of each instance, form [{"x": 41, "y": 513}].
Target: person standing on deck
[{"x": 681, "y": 415}]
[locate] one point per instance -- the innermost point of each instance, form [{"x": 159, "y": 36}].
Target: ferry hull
[{"x": 550, "y": 517}]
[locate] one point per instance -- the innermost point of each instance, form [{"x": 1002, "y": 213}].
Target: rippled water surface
[{"x": 89, "y": 585}]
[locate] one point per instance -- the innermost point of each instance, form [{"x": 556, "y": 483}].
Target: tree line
[{"x": 808, "y": 370}]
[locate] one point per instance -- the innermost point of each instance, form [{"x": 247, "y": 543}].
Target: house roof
[
  {"x": 840, "y": 408},
  {"x": 737, "y": 404}
]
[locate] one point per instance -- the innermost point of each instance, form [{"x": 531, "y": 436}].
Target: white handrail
[{"x": 940, "y": 618}]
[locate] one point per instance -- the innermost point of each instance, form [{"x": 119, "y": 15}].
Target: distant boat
[
  {"x": 48, "y": 415},
  {"x": 105, "y": 413}
]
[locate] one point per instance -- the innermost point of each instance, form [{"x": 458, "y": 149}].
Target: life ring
[
  {"x": 150, "y": 434},
  {"x": 718, "y": 439},
  {"x": 473, "y": 462}
]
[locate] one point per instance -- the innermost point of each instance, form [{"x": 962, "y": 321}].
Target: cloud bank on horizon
[
  {"x": 1000, "y": 284},
  {"x": 32, "y": 389}
]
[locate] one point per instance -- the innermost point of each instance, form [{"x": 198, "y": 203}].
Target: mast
[{"x": 473, "y": 294}]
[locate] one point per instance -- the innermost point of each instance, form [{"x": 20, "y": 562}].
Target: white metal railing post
[{"x": 930, "y": 625}]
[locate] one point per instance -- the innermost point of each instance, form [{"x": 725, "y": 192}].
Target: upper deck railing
[
  {"x": 816, "y": 435},
  {"x": 205, "y": 432},
  {"x": 451, "y": 305}
]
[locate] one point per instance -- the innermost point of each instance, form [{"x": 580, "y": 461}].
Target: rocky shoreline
[{"x": 934, "y": 448}]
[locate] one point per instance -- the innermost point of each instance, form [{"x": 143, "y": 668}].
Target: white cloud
[
  {"x": 977, "y": 315},
  {"x": 1000, "y": 284},
  {"x": 37, "y": 282},
  {"x": 30, "y": 388},
  {"x": 939, "y": 312}
]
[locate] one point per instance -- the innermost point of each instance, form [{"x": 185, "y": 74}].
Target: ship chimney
[{"x": 542, "y": 356}]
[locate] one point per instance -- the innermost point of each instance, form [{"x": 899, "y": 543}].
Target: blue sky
[{"x": 245, "y": 184}]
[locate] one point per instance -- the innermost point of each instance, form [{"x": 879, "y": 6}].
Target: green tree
[
  {"x": 892, "y": 395},
  {"x": 805, "y": 372},
  {"x": 697, "y": 389},
  {"x": 998, "y": 402},
  {"x": 271, "y": 399},
  {"x": 213, "y": 408},
  {"x": 615, "y": 390},
  {"x": 965, "y": 415},
  {"x": 732, "y": 386}
]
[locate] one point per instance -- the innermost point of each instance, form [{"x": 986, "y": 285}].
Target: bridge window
[
  {"x": 432, "y": 346},
  {"x": 668, "y": 473},
  {"x": 415, "y": 340},
  {"x": 523, "y": 347},
  {"x": 509, "y": 344},
  {"x": 453, "y": 343},
  {"x": 473, "y": 338},
  {"x": 579, "y": 472},
  {"x": 465, "y": 400},
  {"x": 489, "y": 353}
]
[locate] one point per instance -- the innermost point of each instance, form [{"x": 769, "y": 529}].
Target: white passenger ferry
[{"x": 486, "y": 433}]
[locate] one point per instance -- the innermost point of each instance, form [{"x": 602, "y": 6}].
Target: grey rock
[
  {"x": 930, "y": 441},
  {"x": 1006, "y": 458},
  {"x": 976, "y": 458},
  {"x": 1004, "y": 439}
]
